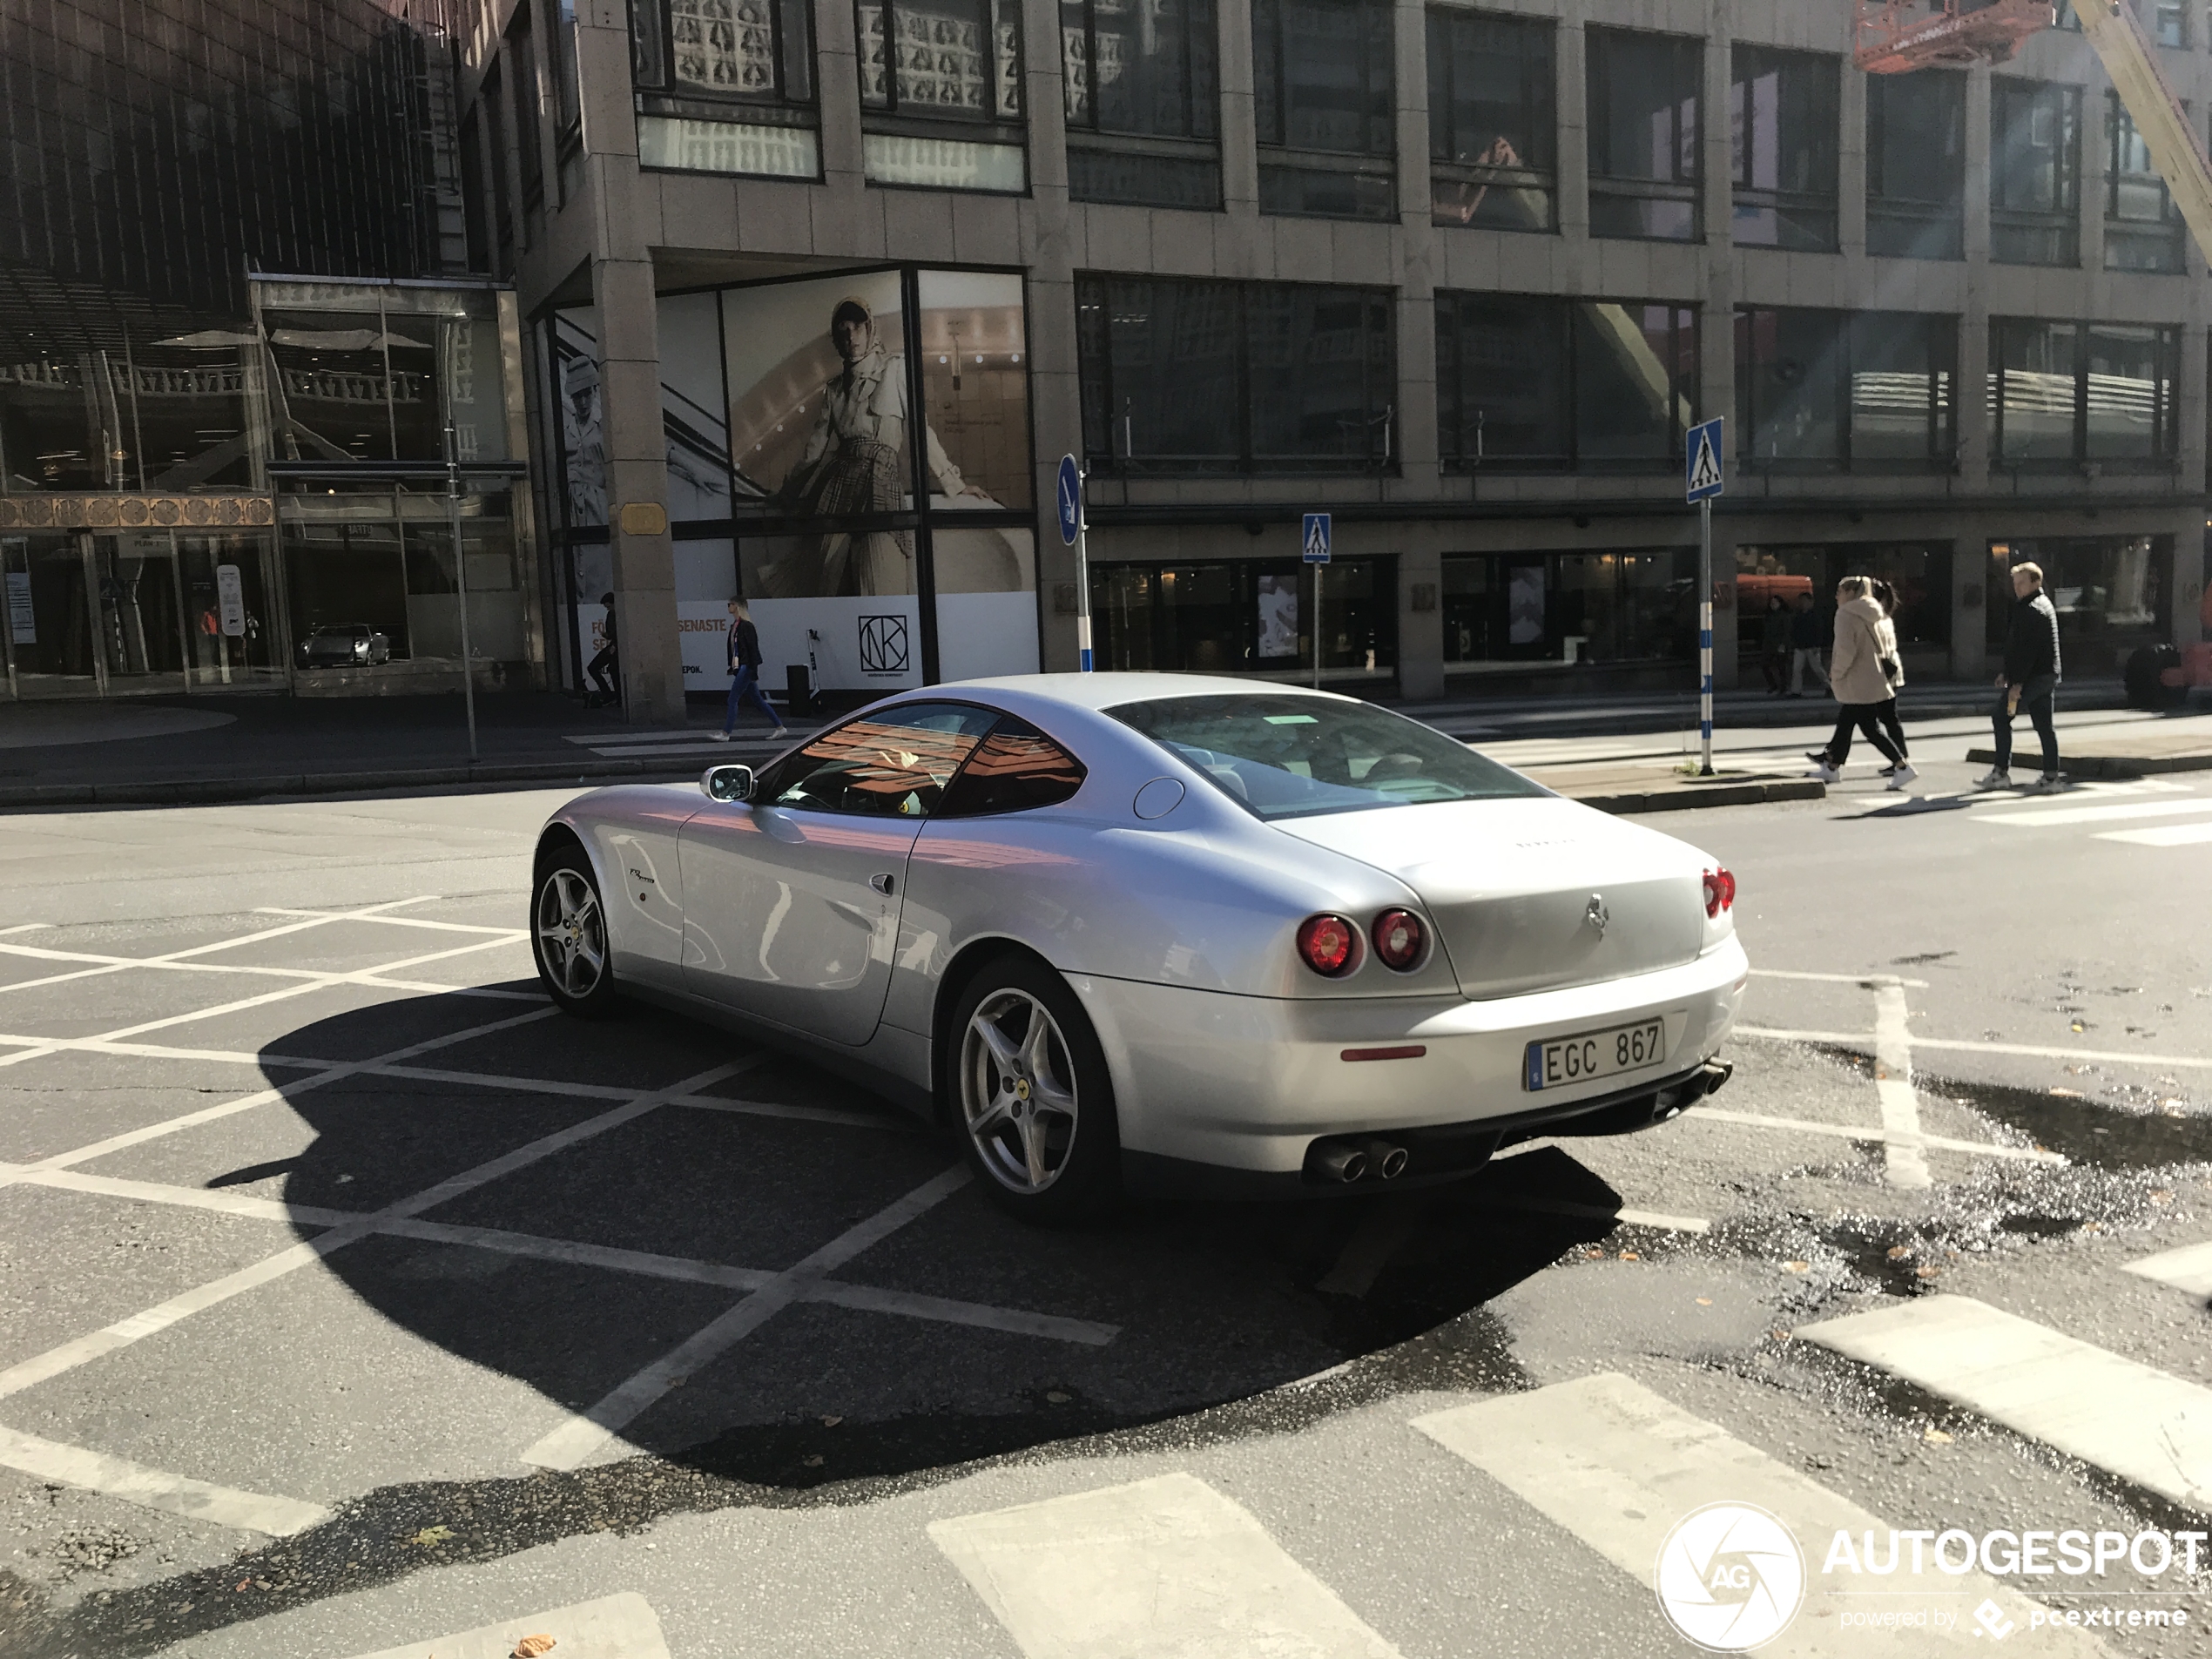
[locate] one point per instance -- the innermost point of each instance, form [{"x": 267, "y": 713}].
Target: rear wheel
[
  {"x": 1031, "y": 1094},
  {"x": 569, "y": 935}
]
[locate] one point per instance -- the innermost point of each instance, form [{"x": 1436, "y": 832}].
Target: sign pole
[
  {"x": 1317, "y": 625},
  {"x": 1705, "y": 637},
  {"x": 453, "y": 524},
  {"x": 1075, "y": 527},
  {"x": 1315, "y": 536}
]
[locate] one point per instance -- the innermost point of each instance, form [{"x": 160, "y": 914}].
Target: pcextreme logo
[{"x": 1730, "y": 1577}]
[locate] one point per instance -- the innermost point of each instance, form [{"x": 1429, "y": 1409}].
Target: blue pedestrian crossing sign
[
  {"x": 1070, "y": 494},
  {"x": 1701, "y": 462},
  {"x": 1315, "y": 538}
]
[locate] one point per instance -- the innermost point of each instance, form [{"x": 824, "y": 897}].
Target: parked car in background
[{"x": 344, "y": 644}]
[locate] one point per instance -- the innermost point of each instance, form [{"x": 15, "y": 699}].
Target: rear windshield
[{"x": 1290, "y": 755}]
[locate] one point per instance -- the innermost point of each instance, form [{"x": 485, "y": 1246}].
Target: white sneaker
[
  {"x": 2049, "y": 784},
  {"x": 1902, "y": 774},
  {"x": 718, "y": 737},
  {"x": 780, "y": 732},
  {"x": 1995, "y": 777},
  {"x": 1826, "y": 773}
]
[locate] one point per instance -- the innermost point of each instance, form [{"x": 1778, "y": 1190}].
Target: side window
[
  {"x": 1015, "y": 768},
  {"x": 893, "y": 763}
]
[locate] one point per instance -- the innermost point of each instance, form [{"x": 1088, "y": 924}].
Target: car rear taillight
[
  {"x": 1399, "y": 935},
  {"x": 1329, "y": 944},
  {"x": 1720, "y": 892}
]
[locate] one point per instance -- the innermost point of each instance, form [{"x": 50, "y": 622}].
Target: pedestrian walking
[
  {"x": 2030, "y": 680},
  {"x": 1807, "y": 635},
  {"x": 1892, "y": 666},
  {"x": 603, "y": 670},
  {"x": 1774, "y": 646},
  {"x": 1857, "y": 681},
  {"x": 744, "y": 673}
]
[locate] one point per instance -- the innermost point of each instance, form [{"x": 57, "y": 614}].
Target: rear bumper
[{"x": 1245, "y": 1086}]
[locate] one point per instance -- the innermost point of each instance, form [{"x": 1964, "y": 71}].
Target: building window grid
[
  {"x": 1493, "y": 120},
  {"x": 2143, "y": 230},
  {"x": 2066, "y": 394},
  {"x": 1646, "y": 125},
  {"x": 1784, "y": 116},
  {"x": 2035, "y": 172},
  {"x": 1142, "y": 148},
  {"x": 1586, "y": 336},
  {"x": 1879, "y": 370},
  {"x": 1325, "y": 107}
]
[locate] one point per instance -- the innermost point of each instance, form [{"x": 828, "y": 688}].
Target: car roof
[{"x": 1110, "y": 690}]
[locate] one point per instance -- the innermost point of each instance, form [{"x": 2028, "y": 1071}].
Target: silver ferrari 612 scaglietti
[{"x": 1164, "y": 933}]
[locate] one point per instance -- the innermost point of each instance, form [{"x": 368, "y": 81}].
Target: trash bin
[{"x": 798, "y": 689}]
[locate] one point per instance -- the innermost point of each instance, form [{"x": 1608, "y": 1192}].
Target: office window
[
  {"x": 1143, "y": 102},
  {"x": 1493, "y": 143},
  {"x": 2035, "y": 172},
  {"x": 1916, "y": 165},
  {"x": 1784, "y": 127},
  {"x": 1827, "y": 391},
  {"x": 940, "y": 93},
  {"x": 1230, "y": 377},
  {"x": 2170, "y": 24},
  {"x": 725, "y": 86},
  {"x": 1535, "y": 383},
  {"x": 2142, "y": 230},
  {"x": 1644, "y": 130},
  {"x": 1323, "y": 101},
  {"x": 2069, "y": 393}
]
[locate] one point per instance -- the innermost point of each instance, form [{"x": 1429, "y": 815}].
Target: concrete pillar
[
  {"x": 1239, "y": 152},
  {"x": 644, "y": 555},
  {"x": 1054, "y": 386},
  {"x": 1421, "y": 623},
  {"x": 1970, "y": 602},
  {"x": 1851, "y": 165},
  {"x": 1572, "y": 97},
  {"x": 1972, "y": 404}
]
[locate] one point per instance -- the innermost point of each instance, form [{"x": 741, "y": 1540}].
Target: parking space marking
[
  {"x": 1839, "y": 978},
  {"x": 2145, "y": 1426},
  {"x": 1617, "y": 1466},
  {"x": 585, "y": 1435},
  {"x": 614, "y": 1627},
  {"x": 1599, "y": 1212},
  {"x": 218, "y": 1199},
  {"x": 1905, "y": 1162},
  {"x": 117, "y": 1477},
  {"x": 1848, "y": 1132},
  {"x": 1164, "y": 1568},
  {"x": 2053, "y": 817},
  {"x": 391, "y": 922},
  {"x": 2170, "y": 835},
  {"x": 2188, "y": 1268},
  {"x": 1861, "y": 1039}
]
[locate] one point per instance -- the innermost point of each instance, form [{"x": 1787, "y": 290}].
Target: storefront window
[
  {"x": 355, "y": 387},
  {"x": 1616, "y": 608},
  {"x": 153, "y": 415},
  {"x": 1493, "y": 151},
  {"x": 2112, "y": 593},
  {"x": 1247, "y": 615},
  {"x": 1920, "y": 575}
]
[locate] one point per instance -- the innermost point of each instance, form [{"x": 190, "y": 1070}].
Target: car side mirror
[{"x": 726, "y": 783}]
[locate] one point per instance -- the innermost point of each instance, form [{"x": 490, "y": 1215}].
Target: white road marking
[
  {"x": 1599, "y": 1212},
  {"x": 2171, "y": 835},
  {"x": 2142, "y": 1424},
  {"x": 1905, "y": 1162},
  {"x": 156, "y": 1488},
  {"x": 2052, "y": 817},
  {"x": 1847, "y": 1132},
  {"x": 93, "y": 1344},
  {"x": 1617, "y": 1466},
  {"x": 1164, "y": 1568},
  {"x": 1964, "y": 1045},
  {"x": 585, "y": 1435},
  {"x": 392, "y": 921},
  {"x": 614, "y": 1627},
  {"x": 1838, "y": 979},
  {"x": 2188, "y": 1268},
  {"x": 25, "y": 928}
]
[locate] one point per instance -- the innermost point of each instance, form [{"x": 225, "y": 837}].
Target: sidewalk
[{"x": 2143, "y": 753}]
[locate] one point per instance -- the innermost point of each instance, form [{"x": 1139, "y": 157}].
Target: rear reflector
[{"x": 1414, "y": 1051}]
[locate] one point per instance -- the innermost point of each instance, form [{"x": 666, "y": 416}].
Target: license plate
[{"x": 1595, "y": 1054}]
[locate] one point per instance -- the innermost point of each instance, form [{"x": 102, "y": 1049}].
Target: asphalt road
[{"x": 353, "y": 1301}]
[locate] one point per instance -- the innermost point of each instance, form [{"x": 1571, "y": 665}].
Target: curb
[
  {"x": 2109, "y": 766},
  {"x": 1685, "y": 799},
  {"x": 196, "y": 792}
]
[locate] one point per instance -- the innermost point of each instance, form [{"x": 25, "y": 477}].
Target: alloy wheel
[
  {"x": 1018, "y": 1091},
  {"x": 571, "y": 933}
]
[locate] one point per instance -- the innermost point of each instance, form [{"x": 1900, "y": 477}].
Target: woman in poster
[{"x": 852, "y": 466}]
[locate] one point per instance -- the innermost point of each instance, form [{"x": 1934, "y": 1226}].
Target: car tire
[
  {"x": 1029, "y": 1094},
  {"x": 569, "y": 935}
]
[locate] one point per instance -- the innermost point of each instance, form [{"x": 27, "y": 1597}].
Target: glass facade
[
  {"x": 2111, "y": 592},
  {"x": 940, "y": 93},
  {"x": 723, "y": 86},
  {"x": 1916, "y": 165},
  {"x": 1609, "y": 609},
  {"x": 1783, "y": 132},
  {"x": 1248, "y": 617},
  {"x": 1838, "y": 391},
  {"x": 1646, "y": 119},
  {"x": 2066, "y": 394},
  {"x": 1142, "y": 102},
  {"x": 1322, "y": 96},
  {"x": 1493, "y": 146},
  {"x": 2035, "y": 172}
]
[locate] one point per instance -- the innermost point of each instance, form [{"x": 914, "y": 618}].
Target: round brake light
[
  {"x": 1398, "y": 934},
  {"x": 1329, "y": 944},
  {"x": 1720, "y": 892}
]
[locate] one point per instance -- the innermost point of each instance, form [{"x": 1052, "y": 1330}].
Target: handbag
[{"x": 1893, "y": 670}]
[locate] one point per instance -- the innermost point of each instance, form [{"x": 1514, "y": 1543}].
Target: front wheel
[
  {"x": 1031, "y": 1095},
  {"x": 569, "y": 935}
]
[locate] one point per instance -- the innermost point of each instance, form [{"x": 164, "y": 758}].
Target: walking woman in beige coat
[{"x": 1863, "y": 640}]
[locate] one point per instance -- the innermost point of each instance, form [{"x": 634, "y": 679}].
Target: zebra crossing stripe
[
  {"x": 1164, "y": 1568},
  {"x": 2142, "y": 1424},
  {"x": 1617, "y": 1466},
  {"x": 614, "y": 1627},
  {"x": 2188, "y": 1268}
]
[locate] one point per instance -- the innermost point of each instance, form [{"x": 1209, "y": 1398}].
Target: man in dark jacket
[
  {"x": 2030, "y": 679},
  {"x": 744, "y": 673},
  {"x": 1808, "y": 637}
]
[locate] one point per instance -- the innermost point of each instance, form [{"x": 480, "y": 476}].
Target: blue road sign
[
  {"x": 1316, "y": 539},
  {"x": 1701, "y": 462},
  {"x": 1070, "y": 494}
]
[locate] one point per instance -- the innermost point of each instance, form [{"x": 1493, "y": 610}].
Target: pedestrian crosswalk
[
  {"x": 2186, "y": 1268},
  {"x": 613, "y": 1627}
]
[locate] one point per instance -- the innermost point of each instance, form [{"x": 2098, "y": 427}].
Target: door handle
[{"x": 882, "y": 884}]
